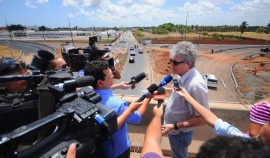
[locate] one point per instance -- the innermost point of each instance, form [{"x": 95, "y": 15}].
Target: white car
[{"x": 211, "y": 80}]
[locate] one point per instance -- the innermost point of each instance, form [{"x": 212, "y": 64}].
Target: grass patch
[{"x": 8, "y": 52}]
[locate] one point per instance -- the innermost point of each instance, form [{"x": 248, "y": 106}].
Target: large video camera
[
  {"x": 78, "y": 118},
  {"x": 77, "y": 58}
]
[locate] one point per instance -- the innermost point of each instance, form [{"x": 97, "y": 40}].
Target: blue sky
[{"x": 111, "y": 13}]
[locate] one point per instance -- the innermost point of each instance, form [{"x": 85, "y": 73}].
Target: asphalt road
[
  {"x": 27, "y": 47},
  {"x": 225, "y": 91}
]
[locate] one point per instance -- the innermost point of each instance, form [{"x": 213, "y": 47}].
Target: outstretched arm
[
  {"x": 124, "y": 116},
  {"x": 121, "y": 85},
  {"x": 209, "y": 117},
  {"x": 153, "y": 134}
]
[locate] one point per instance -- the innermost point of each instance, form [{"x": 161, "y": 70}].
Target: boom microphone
[
  {"x": 71, "y": 85},
  {"x": 149, "y": 90},
  {"x": 167, "y": 79},
  {"x": 137, "y": 79},
  {"x": 160, "y": 95}
]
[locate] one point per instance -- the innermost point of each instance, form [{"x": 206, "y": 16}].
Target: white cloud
[
  {"x": 29, "y": 4},
  {"x": 91, "y": 3},
  {"x": 42, "y": 1},
  {"x": 123, "y": 2},
  {"x": 32, "y": 4},
  {"x": 153, "y": 2},
  {"x": 152, "y": 12},
  {"x": 70, "y": 3}
]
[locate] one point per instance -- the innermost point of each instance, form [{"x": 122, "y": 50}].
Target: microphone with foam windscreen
[
  {"x": 71, "y": 85},
  {"x": 137, "y": 79},
  {"x": 167, "y": 79},
  {"x": 160, "y": 95},
  {"x": 149, "y": 90}
]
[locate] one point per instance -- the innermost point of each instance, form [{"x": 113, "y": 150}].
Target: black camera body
[
  {"x": 75, "y": 120},
  {"x": 77, "y": 60}
]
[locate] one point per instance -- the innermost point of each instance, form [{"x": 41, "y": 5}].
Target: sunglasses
[{"x": 175, "y": 63}]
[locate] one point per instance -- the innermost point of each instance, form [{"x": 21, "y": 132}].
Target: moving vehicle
[
  {"x": 132, "y": 53},
  {"x": 107, "y": 44},
  {"x": 140, "y": 50},
  {"x": 164, "y": 46},
  {"x": 265, "y": 49},
  {"x": 131, "y": 48},
  {"x": 131, "y": 59},
  {"x": 211, "y": 80}
]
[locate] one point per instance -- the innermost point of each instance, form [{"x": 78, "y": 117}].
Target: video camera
[
  {"x": 77, "y": 60},
  {"x": 78, "y": 118}
]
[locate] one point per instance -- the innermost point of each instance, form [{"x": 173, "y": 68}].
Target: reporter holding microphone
[{"x": 132, "y": 113}]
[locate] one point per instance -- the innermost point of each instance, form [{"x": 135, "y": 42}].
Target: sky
[{"x": 133, "y": 13}]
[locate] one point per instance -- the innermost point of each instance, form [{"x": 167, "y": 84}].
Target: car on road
[
  {"x": 265, "y": 49},
  {"x": 131, "y": 48},
  {"x": 131, "y": 59},
  {"x": 140, "y": 50},
  {"x": 164, "y": 46},
  {"x": 107, "y": 44},
  {"x": 108, "y": 48},
  {"x": 211, "y": 80},
  {"x": 132, "y": 53}
]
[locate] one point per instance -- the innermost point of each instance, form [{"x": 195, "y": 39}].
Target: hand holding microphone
[
  {"x": 160, "y": 96},
  {"x": 149, "y": 90},
  {"x": 137, "y": 79}
]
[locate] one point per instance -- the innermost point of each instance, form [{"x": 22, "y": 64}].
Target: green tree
[
  {"x": 139, "y": 33},
  {"x": 42, "y": 28},
  {"x": 15, "y": 27},
  {"x": 243, "y": 27}
]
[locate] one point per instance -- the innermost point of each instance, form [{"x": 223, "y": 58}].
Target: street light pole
[{"x": 186, "y": 26}]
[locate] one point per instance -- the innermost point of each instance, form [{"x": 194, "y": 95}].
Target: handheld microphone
[
  {"x": 71, "y": 85},
  {"x": 176, "y": 84},
  {"x": 137, "y": 79},
  {"x": 160, "y": 95},
  {"x": 149, "y": 90},
  {"x": 167, "y": 79}
]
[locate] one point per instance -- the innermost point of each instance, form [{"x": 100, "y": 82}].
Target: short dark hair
[
  {"x": 233, "y": 147},
  {"x": 9, "y": 66},
  {"x": 95, "y": 69}
]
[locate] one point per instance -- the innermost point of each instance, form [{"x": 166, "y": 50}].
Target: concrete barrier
[{"x": 234, "y": 113}]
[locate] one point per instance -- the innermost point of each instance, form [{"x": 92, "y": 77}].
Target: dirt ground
[{"x": 253, "y": 87}]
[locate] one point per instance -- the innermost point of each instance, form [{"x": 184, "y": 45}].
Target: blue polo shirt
[{"x": 120, "y": 137}]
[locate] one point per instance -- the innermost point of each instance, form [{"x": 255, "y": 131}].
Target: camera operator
[
  {"x": 100, "y": 70},
  {"x": 110, "y": 60},
  {"x": 57, "y": 64},
  {"x": 11, "y": 67}
]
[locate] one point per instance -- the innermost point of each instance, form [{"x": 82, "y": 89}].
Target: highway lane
[
  {"x": 132, "y": 69},
  {"x": 27, "y": 47}
]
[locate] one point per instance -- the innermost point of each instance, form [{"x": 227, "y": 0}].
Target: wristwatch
[{"x": 175, "y": 126}]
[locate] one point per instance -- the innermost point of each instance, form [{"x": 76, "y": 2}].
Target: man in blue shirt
[{"x": 132, "y": 113}]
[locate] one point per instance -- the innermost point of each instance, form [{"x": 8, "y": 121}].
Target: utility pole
[
  {"x": 7, "y": 28},
  {"x": 186, "y": 26},
  {"x": 10, "y": 48},
  {"x": 70, "y": 32}
]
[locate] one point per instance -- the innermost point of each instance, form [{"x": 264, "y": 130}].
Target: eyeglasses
[{"x": 175, "y": 63}]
